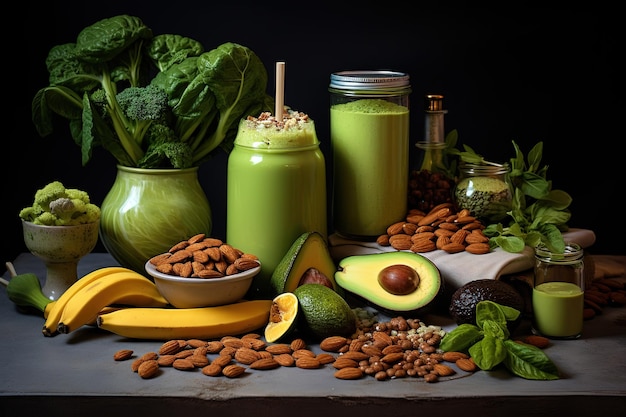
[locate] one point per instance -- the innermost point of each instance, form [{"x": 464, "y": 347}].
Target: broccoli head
[{"x": 55, "y": 205}]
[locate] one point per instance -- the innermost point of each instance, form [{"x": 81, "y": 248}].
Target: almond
[
  {"x": 538, "y": 341},
  {"x": 370, "y": 350},
  {"x": 264, "y": 364},
  {"x": 409, "y": 228},
  {"x": 325, "y": 358},
  {"x": 383, "y": 240},
  {"x": 300, "y": 353},
  {"x": 279, "y": 348},
  {"x": 212, "y": 369},
  {"x": 198, "y": 360},
  {"x": 383, "y": 338},
  {"x": 466, "y": 365},
  {"x": 400, "y": 241},
  {"x": 297, "y": 344},
  {"x": 449, "y": 226},
  {"x": 423, "y": 246},
  {"x": 200, "y": 237},
  {"x": 170, "y": 347},
  {"x": 342, "y": 362},
  {"x": 166, "y": 360},
  {"x": 122, "y": 355},
  {"x": 179, "y": 256},
  {"x": 393, "y": 358},
  {"x": 349, "y": 373},
  {"x": 210, "y": 273},
  {"x": 243, "y": 264},
  {"x": 233, "y": 371},
  {"x": 285, "y": 359},
  {"x": 434, "y": 215},
  {"x": 246, "y": 355},
  {"x": 476, "y": 236},
  {"x": 478, "y": 248},
  {"x": 443, "y": 370},
  {"x": 213, "y": 253},
  {"x": 229, "y": 253},
  {"x": 183, "y": 364},
  {"x": 355, "y": 355},
  {"x": 333, "y": 343},
  {"x": 453, "y": 247},
  {"x": 459, "y": 236},
  {"x": 395, "y": 228},
  {"x": 148, "y": 369},
  {"x": 214, "y": 346},
  {"x": 307, "y": 362},
  {"x": 414, "y": 218},
  {"x": 423, "y": 235},
  {"x": 453, "y": 356}
]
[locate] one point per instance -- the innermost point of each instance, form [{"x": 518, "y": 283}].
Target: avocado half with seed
[
  {"x": 308, "y": 261},
  {"x": 393, "y": 281}
]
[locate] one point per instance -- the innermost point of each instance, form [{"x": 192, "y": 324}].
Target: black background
[{"x": 523, "y": 75}]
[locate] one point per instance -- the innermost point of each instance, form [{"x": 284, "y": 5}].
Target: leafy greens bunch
[
  {"x": 152, "y": 101},
  {"x": 488, "y": 343},
  {"x": 538, "y": 214}
]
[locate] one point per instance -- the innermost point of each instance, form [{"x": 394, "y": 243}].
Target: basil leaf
[
  {"x": 488, "y": 353},
  {"x": 461, "y": 338},
  {"x": 529, "y": 362}
]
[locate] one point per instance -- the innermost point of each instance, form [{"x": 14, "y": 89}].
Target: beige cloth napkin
[{"x": 460, "y": 268}]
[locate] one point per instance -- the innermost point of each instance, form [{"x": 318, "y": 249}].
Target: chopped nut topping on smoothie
[{"x": 291, "y": 119}]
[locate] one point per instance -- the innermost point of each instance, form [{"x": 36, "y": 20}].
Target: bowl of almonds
[{"x": 203, "y": 272}]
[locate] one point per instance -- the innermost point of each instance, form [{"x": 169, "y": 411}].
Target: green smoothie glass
[
  {"x": 276, "y": 190},
  {"x": 369, "y": 134}
]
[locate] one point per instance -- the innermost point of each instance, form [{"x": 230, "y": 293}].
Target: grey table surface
[{"x": 75, "y": 374}]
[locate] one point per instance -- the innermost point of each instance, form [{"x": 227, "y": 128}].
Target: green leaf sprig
[
  {"x": 488, "y": 343},
  {"x": 539, "y": 214}
]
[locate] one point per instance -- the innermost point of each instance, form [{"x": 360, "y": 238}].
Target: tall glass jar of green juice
[
  {"x": 369, "y": 134},
  {"x": 276, "y": 190}
]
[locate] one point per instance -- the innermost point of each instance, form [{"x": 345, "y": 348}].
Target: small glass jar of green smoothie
[
  {"x": 558, "y": 292},
  {"x": 369, "y": 134},
  {"x": 485, "y": 190},
  {"x": 276, "y": 190}
]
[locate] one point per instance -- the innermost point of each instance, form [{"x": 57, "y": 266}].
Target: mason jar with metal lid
[{"x": 369, "y": 134}]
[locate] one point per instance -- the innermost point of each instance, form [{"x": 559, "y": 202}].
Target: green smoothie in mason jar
[
  {"x": 370, "y": 142},
  {"x": 276, "y": 190},
  {"x": 369, "y": 134}
]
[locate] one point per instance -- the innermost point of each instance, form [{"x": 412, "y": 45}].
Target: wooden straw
[{"x": 280, "y": 90}]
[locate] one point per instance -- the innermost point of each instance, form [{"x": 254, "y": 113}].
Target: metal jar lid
[{"x": 370, "y": 80}]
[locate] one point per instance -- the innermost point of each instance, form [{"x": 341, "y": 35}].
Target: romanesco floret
[{"x": 55, "y": 205}]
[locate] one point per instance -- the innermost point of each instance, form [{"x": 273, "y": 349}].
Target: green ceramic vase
[{"x": 147, "y": 211}]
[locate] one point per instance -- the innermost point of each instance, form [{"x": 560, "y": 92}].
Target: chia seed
[{"x": 485, "y": 197}]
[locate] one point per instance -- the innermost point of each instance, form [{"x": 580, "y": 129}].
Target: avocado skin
[{"x": 464, "y": 299}]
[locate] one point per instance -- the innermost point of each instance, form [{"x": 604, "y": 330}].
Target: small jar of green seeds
[{"x": 485, "y": 190}]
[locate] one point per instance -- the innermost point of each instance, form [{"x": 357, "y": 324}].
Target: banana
[
  {"x": 126, "y": 287},
  {"x": 187, "y": 323},
  {"x": 53, "y": 313}
]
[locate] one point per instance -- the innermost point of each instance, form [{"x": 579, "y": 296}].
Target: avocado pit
[
  {"x": 399, "y": 279},
  {"x": 315, "y": 276}
]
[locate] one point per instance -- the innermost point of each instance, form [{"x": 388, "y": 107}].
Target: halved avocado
[
  {"x": 359, "y": 274},
  {"x": 307, "y": 261}
]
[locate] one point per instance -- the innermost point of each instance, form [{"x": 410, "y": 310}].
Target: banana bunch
[
  {"x": 90, "y": 295},
  {"x": 187, "y": 323}
]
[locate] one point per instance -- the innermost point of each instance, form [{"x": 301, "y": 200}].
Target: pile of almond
[
  {"x": 203, "y": 257},
  {"x": 399, "y": 348},
  {"x": 440, "y": 228}
]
